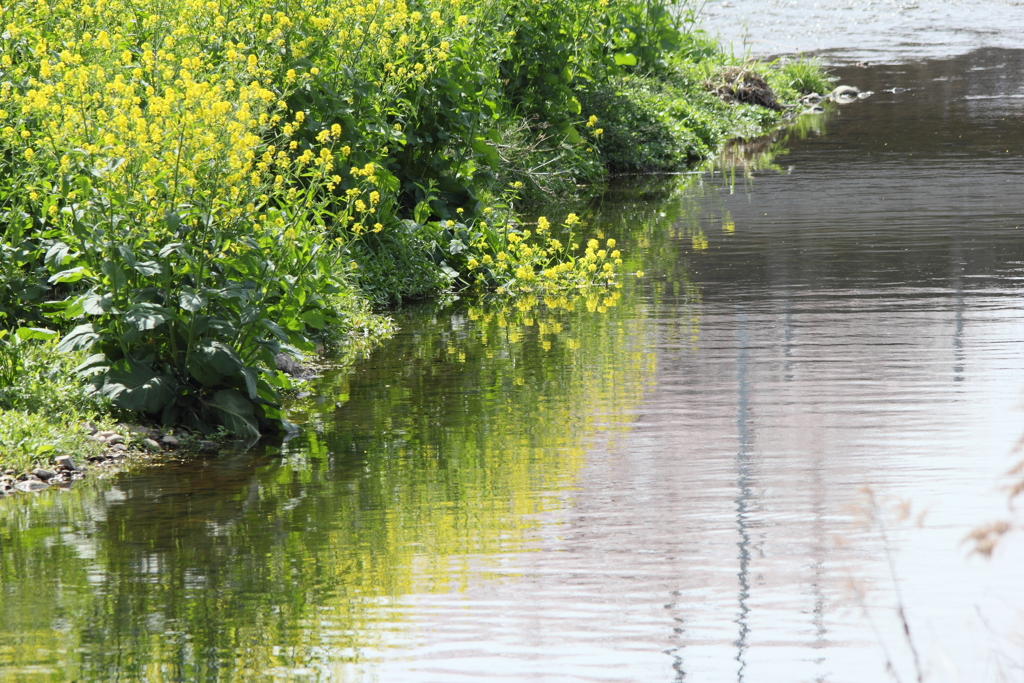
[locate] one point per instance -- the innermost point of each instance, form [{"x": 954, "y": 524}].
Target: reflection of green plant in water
[{"x": 460, "y": 429}]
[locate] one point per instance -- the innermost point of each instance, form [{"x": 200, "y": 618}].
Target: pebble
[
  {"x": 43, "y": 475},
  {"x": 65, "y": 462},
  {"x": 170, "y": 441},
  {"x": 118, "y": 448},
  {"x": 151, "y": 444}
]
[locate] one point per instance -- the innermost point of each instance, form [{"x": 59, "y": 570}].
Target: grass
[{"x": 42, "y": 406}]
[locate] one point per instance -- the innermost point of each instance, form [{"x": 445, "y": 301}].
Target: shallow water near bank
[{"x": 703, "y": 478}]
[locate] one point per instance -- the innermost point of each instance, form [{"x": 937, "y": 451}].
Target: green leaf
[
  {"x": 94, "y": 303},
  {"x": 69, "y": 275},
  {"x": 250, "y": 381},
  {"x": 625, "y": 59},
  {"x": 235, "y": 412},
  {"x": 223, "y": 358},
  {"x": 482, "y": 147},
  {"x": 137, "y": 387},
  {"x": 57, "y": 255},
  {"x": 116, "y": 274},
  {"x": 190, "y": 300},
  {"x": 570, "y": 133},
  {"x": 82, "y": 337},
  {"x": 314, "y": 319},
  {"x": 94, "y": 364},
  {"x": 146, "y": 316},
  {"x": 23, "y": 333},
  {"x": 169, "y": 249},
  {"x": 148, "y": 268},
  {"x": 211, "y": 362}
]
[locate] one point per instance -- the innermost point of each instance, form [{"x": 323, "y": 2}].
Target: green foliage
[
  {"x": 41, "y": 401},
  {"x": 392, "y": 271}
]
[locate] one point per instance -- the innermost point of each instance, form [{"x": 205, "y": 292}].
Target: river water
[{"x": 738, "y": 467}]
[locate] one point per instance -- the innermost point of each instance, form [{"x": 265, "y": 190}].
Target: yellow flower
[
  {"x": 591, "y": 121},
  {"x": 639, "y": 273},
  {"x": 611, "y": 243}
]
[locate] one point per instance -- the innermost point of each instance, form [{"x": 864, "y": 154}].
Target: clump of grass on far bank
[
  {"x": 798, "y": 76},
  {"x": 670, "y": 117}
]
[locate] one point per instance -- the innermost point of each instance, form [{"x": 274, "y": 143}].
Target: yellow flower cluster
[
  {"x": 177, "y": 102},
  {"x": 530, "y": 262},
  {"x": 157, "y": 109}
]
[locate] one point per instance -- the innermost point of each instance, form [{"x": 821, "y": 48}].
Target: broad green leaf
[
  {"x": 115, "y": 273},
  {"x": 190, "y": 300},
  {"x": 223, "y": 358},
  {"x": 23, "y": 333},
  {"x": 146, "y": 316},
  {"x": 137, "y": 387},
  {"x": 570, "y": 133},
  {"x": 314, "y": 319},
  {"x": 169, "y": 249},
  {"x": 82, "y": 337},
  {"x": 94, "y": 364},
  {"x": 94, "y": 303},
  {"x": 212, "y": 361},
  {"x": 69, "y": 275},
  {"x": 625, "y": 59},
  {"x": 57, "y": 255},
  {"x": 148, "y": 268},
  {"x": 235, "y": 412}
]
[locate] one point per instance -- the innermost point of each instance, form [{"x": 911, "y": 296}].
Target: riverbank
[{"x": 226, "y": 192}]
